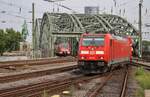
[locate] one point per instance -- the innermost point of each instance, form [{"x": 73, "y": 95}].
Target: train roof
[
  {"x": 93, "y": 34},
  {"x": 107, "y": 34}
]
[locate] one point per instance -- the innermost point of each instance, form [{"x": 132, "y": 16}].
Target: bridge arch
[{"x": 63, "y": 25}]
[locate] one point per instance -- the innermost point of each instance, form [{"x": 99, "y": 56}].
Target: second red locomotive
[
  {"x": 63, "y": 49},
  {"x": 98, "y": 52}
]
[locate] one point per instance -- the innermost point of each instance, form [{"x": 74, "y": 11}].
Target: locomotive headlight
[
  {"x": 84, "y": 52},
  {"x": 82, "y": 57},
  {"x": 102, "y": 57},
  {"x": 99, "y": 52},
  {"x": 68, "y": 52}
]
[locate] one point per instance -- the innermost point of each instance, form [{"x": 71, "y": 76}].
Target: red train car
[
  {"x": 63, "y": 49},
  {"x": 98, "y": 52}
]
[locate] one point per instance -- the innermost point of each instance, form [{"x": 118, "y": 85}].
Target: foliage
[
  {"x": 12, "y": 39},
  {"x": 45, "y": 94},
  {"x": 143, "y": 78},
  {"x": 146, "y": 50},
  {"x": 146, "y": 45},
  {"x": 140, "y": 93},
  {"x": 146, "y": 42},
  {"x": 9, "y": 40},
  {"x": 2, "y": 42},
  {"x": 139, "y": 71}
]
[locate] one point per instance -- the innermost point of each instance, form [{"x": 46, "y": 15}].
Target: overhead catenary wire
[
  {"x": 20, "y": 8},
  {"x": 61, "y": 6},
  {"x": 66, "y": 7},
  {"x": 17, "y": 16},
  {"x": 13, "y": 21},
  {"x": 14, "y": 5},
  {"x": 3, "y": 10}
]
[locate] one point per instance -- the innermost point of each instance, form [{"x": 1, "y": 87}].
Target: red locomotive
[
  {"x": 63, "y": 49},
  {"x": 98, "y": 52}
]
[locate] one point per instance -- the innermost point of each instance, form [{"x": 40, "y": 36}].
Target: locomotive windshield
[
  {"x": 65, "y": 45},
  {"x": 93, "y": 41}
]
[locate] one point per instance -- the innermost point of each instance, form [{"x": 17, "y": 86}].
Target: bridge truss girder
[{"x": 56, "y": 25}]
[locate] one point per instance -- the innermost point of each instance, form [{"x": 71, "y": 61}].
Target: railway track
[
  {"x": 93, "y": 92},
  {"x": 124, "y": 85},
  {"x": 36, "y": 90},
  {"x": 37, "y": 73},
  {"x": 116, "y": 80},
  {"x": 7, "y": 64},
  {"x": 141, "y": 59},
  {"x": 99, "y": 89},
  {"x": 143, "y": 64}
]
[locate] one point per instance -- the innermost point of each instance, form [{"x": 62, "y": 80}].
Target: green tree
[
  {"x": 13, "y": 39},
  {"x": 146, "y": 42},
  {"x": 2, "y": 42},
  {"x": 9, "y": 40}
]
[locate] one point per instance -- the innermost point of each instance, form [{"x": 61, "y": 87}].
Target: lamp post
[
  {"x": 33, "y": 32},
  {"x": 140, "y": 28}
]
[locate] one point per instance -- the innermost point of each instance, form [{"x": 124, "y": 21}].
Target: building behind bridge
[{"x": 91, "y": 10}]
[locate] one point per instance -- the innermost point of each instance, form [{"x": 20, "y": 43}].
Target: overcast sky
[{"x": 16, "y": 11}]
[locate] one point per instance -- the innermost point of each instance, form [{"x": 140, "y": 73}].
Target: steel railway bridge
[{"x": 55, "y": 27}]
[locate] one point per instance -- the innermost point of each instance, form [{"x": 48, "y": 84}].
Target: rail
[
  {"x": 95, "y": 91},
  {"x": 7, "y": 64},
  {"x": 136, "y": 63},
  {"x": 36, "y": 89},
  {"x": 15, "y": 77},
  {"x": 123, "y": 90}
]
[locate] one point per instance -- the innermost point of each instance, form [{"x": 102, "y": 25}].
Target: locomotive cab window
[
  {"x": 93, "y": 41},
  {"x": 65, "y": 45}
]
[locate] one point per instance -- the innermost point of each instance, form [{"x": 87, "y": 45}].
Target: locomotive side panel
[{"x": 119, "y": 51}]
